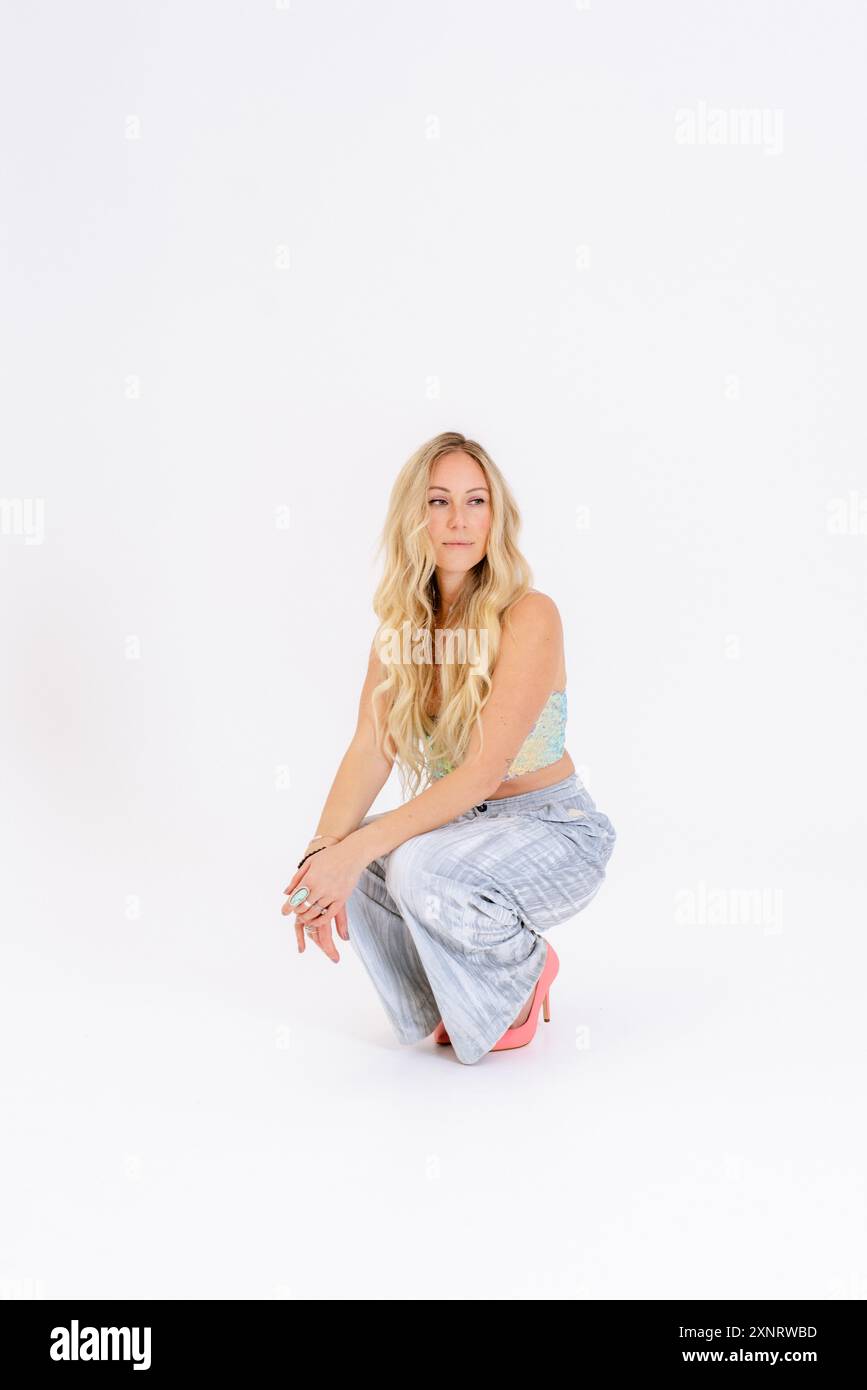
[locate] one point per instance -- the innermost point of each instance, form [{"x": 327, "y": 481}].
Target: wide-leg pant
[{"x": 448, "y": 924}]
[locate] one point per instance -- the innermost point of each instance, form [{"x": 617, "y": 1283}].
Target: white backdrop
[{"x": 256, "y": 254}]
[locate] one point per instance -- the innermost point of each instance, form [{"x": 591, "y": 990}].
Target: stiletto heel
[{"x": 526, "y": 1031}]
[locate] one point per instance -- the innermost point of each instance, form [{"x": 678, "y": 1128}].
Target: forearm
[
  {"x": 361, "y": 776},
  {"x": 448, "y": 797}
]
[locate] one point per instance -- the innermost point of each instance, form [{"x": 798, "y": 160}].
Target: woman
[{"x": 447, "y": 897}]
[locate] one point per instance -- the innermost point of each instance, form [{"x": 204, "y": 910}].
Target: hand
[
  {"x": 319, "y": 842},
  {"x": 330, "y": 875}
]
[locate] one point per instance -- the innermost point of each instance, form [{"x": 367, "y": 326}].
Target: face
[{"x": 459, "y": 512}]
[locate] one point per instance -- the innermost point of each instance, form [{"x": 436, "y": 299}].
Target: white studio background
[{"x": 254, "y": 255}]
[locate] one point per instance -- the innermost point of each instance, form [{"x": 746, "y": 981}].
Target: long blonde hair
[{"x": 407, "y": 598}]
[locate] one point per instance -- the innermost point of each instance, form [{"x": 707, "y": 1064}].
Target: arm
[
  {"x": 524, "y": 674},
  {"x": 363, "y": 771}
]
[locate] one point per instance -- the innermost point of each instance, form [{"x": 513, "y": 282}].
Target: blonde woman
[{"x": 446, "y": 899}]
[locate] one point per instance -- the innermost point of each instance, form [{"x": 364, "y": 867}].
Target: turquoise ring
[{"x": 298, "y": 896}]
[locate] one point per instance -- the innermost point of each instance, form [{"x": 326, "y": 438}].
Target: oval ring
[{"x": 298, "y": 896}]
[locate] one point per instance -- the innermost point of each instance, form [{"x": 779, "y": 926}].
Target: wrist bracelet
[{"x": 313, "y": 851}]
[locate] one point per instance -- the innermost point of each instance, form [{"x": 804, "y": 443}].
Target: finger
[
  {"x": 300, "y": 933},
  {"x": 341, "y": 923},
  {"x": 299, "y": 874},
  {"x": 288, "y": 906},
  {"x": 311, "y": 913},
  {"x": 323, "y": 938},
  {"x": 296, "y": 879}
]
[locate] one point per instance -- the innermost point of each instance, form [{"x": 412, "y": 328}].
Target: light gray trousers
[{"x": 448, "y": 924}]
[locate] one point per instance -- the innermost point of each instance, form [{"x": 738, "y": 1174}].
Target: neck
[{"x": 450, "y": 586}]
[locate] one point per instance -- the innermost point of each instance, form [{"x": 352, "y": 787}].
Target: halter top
[{"x": 543, "y": 745}]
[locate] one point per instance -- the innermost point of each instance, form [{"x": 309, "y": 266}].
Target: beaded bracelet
[{"x": 312, "y": 852}]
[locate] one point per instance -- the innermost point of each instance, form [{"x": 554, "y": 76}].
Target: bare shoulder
[
  {"x": 375, "y": 664},
  {"x": 535, "y": 610},
  {"x": 377, "y": 673}
]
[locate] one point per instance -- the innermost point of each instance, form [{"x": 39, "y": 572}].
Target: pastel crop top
[{"x": 543, "y": 745}]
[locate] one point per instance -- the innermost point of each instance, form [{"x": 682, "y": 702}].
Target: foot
[{"x": 524, "y": 1014}]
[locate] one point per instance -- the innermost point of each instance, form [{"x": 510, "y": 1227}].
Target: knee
[
  {"x": 398, "y": 871},
  {"x": 411, "y": 877}
]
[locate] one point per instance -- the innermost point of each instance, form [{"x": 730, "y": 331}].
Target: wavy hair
[{"x": 407, "y": 599}]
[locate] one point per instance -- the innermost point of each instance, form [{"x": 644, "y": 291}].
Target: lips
[{"x": 458, "y": 543}]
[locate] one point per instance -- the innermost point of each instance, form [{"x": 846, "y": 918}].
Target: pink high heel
[{"x": 526, "y": 1031}]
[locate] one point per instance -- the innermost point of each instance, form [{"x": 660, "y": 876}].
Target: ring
[{"x": 298, "y": 896}]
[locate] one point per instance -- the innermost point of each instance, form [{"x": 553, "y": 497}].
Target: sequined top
[{"x": 543, "y": 745}]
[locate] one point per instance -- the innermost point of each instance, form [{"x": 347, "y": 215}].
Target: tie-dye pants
[{"x": 449, "y": 923}]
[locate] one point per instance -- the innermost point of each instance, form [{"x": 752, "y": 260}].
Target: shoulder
[
  {"x": 377, "y": 669},
  {"x": 528, "y": 657},
  {"x": 534, "y": 610}
]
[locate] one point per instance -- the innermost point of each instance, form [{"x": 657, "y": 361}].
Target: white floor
[{"x": 192, "y": 1110}]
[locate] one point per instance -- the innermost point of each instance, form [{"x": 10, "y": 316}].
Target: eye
[{"x": 481, "y": 500}]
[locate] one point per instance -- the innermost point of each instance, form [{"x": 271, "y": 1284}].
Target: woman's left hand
[{"x": 331, "y": 875}]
